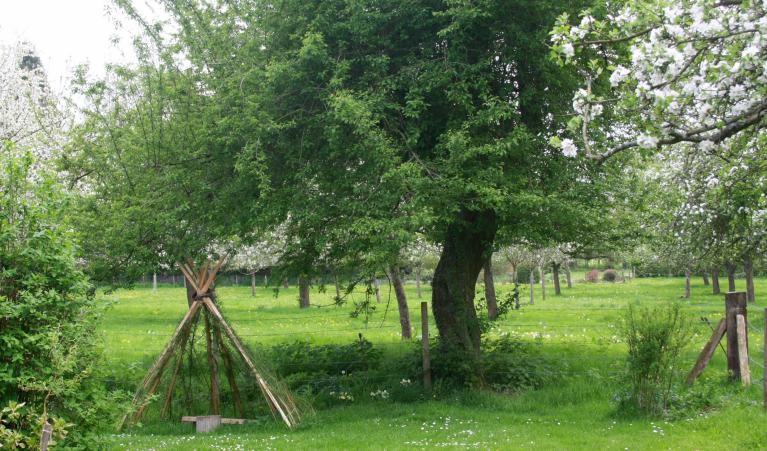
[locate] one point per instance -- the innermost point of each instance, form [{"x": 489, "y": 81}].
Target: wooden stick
[
  {"x": 425, "y": 346},
  {"x": 707, "y": 352},
  {"x": 215, "y": 393},
  {"x": 162, "y": 360},
  {"x": 212, "y": 276},
  {"x": 229, "y": 369},
  {"x": 745, "y": 373},
  {"x": 202, "y": 275},
  {"x": 283, "y": 410},
  {"x": 169, "y": 395},
  {"x": 735, "y": 304},
  {"x": 188, "y": 275}
]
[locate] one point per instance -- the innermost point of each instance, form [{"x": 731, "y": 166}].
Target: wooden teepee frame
[{"x": 201, "y": 281}]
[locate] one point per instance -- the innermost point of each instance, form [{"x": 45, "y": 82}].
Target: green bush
[
  {"x": 655, "y": 338},
  {"x": 48, "y": 348}
]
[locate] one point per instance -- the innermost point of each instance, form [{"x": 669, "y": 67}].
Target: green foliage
[
  {"x": 48, "y": 313},
  {"x": 327, "y": 373},
  {"x": 508, "y": 364},
  {"x": 506, "y": 302},
  {"x": 656, "y": 337},
  {"x": 21, "y": 427}
]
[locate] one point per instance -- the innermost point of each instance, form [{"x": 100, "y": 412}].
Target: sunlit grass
[{"x": 577, "y": 330}]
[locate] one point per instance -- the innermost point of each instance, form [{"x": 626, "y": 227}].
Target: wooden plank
[
  {"x": 745, "y": 373},
  {"x": 207, "y": 423},
  {"x": 193, "y": 419},
  {"x": 707, "y": 352}
]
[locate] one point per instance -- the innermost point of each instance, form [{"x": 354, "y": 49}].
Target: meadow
[{"x": 577, "y": 331}]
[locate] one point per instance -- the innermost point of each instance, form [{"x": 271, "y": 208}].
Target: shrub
[
  {"x": 610, "y": 275},
  {"x": 655, "y": 338},
  {"x": 509, "y": 365},
  {"x": 523, "y": 275},
  {"x": 592, "y": 276},
  {"x": 47, "y": 309}
]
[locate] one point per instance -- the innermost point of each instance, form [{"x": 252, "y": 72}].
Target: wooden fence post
[
  {"x": 425, "y": 345},
  {"x": 45, "y": 437},
  {"x": 764, "y": 375},
  {"x": 745, "y": 372},
  {"x": 735, "y": 304}
]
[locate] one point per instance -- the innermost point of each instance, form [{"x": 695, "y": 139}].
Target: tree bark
[
  {"x": 399, "y": 291},
  {"x": 730, "y": 276},
  {"x": 377, "y": 287},
  {"x": 514, "y": 273},
  {"x": 285, "y": 283},
  {"x": 687, "y": 276},
  {"x": 466, "y": 246},
  {"x": 253, "y": 284},
  {"x": 543, "y": 282},
  {"x": 532, "y": 287},
  {"x": 492, "y": 301},
  {"x": 748, "y": 268},
  {"x": 338, "y": 286},
  {"x": 154, "y": 282},
  {"x": 568, "y": 276},
  {"x": 303, "y": 292},
  {"x": 555, "y": 276},
  {"x": 715, "y": 281},
  {"x": 418, "y": 282},
  {"x": 705, "y": 279}
]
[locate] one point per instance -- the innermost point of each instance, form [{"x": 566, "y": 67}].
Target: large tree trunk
[
  {"x": 399, "y": 291},
  {"x": 492, "y": 302},
  {"x": 514, "y": 273},
  {"x": 285, "y": 283},
  {"x": 705, "y": 279},
  {"x": 303, "y": 292},
  {"x": 418, "y": 282},
  {"x": 532, "y": 287},
  {"x": 687, "y": 276},
  {"x": 543, "y": 282},
  {"x": 465, "y": 248},
  {"x": 555, "y": 276},
  {"x": 568, "y": 276},
  {"x": 253, "y": 284},
  {"x": 730, "y": 276},
  {"x": 715, "y": 281}
]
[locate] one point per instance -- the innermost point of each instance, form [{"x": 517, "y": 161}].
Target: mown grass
[{"x": 577, "y": 331}]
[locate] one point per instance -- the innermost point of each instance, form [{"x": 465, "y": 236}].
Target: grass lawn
[{"x": 577, "y": 330}]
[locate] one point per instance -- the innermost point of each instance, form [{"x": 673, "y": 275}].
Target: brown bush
[
  {"x": 610, "y": 275},
  {"x": 592, "y": 276}
]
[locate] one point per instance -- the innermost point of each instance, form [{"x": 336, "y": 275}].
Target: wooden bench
[{"x": 209, "y": 423}]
